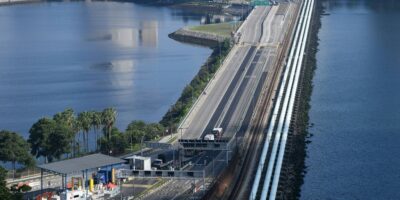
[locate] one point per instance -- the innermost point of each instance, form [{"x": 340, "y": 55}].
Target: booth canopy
[{"x": 74, "y": 165}]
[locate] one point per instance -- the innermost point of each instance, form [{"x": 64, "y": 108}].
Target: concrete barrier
[{"x": 196, "y": 37}]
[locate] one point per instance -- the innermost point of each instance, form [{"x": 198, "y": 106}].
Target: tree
[
  {"x": 14, "y": 149},
  {"x": 59, "y": 142},
  {"x": 96, "y": 123},
  {"x": 116, "y": 145},
  {"x": 4, "y": 191},
  {"x": 226, "y": 44},
  {"x": 154, "y": 130},
  {"x": 187, "y": 94},
  {"x": 38, "y": 136},
  {"x": 135, "y": 131},
  {"x": 136, "y": 125},
  {"x": 49, "y": 139},
  {"x": 85, "y": 121},
  {"x": 15, "y": 193},
  {"x": 108, "y": 116},
  {"x": 68, "y": 118}
]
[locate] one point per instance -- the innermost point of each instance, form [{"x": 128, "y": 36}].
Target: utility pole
[
  {"x": 131, "y": 144},
  {"x": 141, "y": 146}
]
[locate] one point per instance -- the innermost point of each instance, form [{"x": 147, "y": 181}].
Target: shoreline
[
  {"x": 297, "y": 152},
  {"x": 211, "y": 64},
  {"x": 170, "y": 119},
  {"x": 198, "y": 38},
  {"x": 15, "y": 2},
  {"x": 195, "y": 5}
]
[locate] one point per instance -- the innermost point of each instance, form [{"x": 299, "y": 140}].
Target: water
[
  {"x": 356, "y": 104},
  {"x": 89, "y": 56}
]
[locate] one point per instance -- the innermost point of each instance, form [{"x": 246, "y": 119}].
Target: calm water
[
  {"x": 354, "y": 153},
  {"x": 89, "y": 56}
]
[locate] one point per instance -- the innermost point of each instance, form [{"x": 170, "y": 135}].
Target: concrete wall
[{"x": 195, "y": 37}]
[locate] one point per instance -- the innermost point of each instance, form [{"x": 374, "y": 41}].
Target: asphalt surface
[
  {"x": 226, "y": 80},
  {"x": 231, "y": 99},
  {"x": 171, "y": 190}
]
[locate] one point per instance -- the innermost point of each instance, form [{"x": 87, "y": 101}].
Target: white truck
[
  {"x": 209, "y": 137},
  {"x": 216, "y": 133}
]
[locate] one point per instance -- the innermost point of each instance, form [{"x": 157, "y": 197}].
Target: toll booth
[
  {"x": 77, "y": 175},
  {"x": 139, "y": 162}
]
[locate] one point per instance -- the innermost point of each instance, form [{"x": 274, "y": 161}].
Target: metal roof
[{"x": 80, "y": 164}]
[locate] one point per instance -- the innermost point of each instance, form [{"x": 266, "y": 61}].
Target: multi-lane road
[
  {"x": 230, "y": 98},
  {"x": 239, "y": 87},
  {"x": 241, "y": 95}
]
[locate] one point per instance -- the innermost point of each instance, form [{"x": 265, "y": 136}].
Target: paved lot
[{"x": 172, "y": 190}]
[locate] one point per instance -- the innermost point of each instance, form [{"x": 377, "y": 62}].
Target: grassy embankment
[
  {"x": 193, "y": 90},
  {"x": 221, "y": 29}
]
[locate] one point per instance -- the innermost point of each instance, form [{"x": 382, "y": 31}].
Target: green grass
[
  {"x": 192, "y": 91},
  {"x": 222, "y": 29}
]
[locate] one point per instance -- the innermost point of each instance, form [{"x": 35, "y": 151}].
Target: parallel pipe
[
  {"x": 290, "y": 111},
  {"x": 281, "y": 122},
  {"x": 274, "y": 116}
]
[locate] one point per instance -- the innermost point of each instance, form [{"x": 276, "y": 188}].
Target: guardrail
[{"x": 126, "y": 173}]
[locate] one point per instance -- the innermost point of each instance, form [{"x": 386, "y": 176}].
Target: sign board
[
  {"x": 199, "y": 144},
  {"x": 125, "y": 173},
  {"x": 158, "y": 145},
  {"x": 260, "y": 2}
]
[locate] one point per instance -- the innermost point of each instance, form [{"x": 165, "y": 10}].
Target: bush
[
  {"x": 192, "y": 91},
  {"x": 116, "y": 145}
]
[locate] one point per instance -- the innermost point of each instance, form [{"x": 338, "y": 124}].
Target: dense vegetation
[
  {"x": 13, "y": 193},
  {"x": 14, "y": 149},
  {"x": 67, "y": 135},
  {"x": 192, "y": 91}
]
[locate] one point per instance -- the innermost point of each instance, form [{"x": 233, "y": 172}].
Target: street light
[
  {"x": 131, "y": 143},
  {"x": 141, "y": 145}
]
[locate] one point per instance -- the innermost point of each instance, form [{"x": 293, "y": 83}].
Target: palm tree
[
  {"x": 96, "y": 123},
  {"x": 85, "y": 120},
  {"x": 108, "y": 116},
  {"x": 68, "y": 118},
  {"x": 76, "y": 127}
]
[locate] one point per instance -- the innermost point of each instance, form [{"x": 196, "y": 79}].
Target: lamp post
[
  {"x": 141, "y": 146},
  {"x": 179, "y": 152},
  {"x": 131, "y": 144}
]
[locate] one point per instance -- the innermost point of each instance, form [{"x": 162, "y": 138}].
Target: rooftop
[{"x": 92, "y": 161}]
